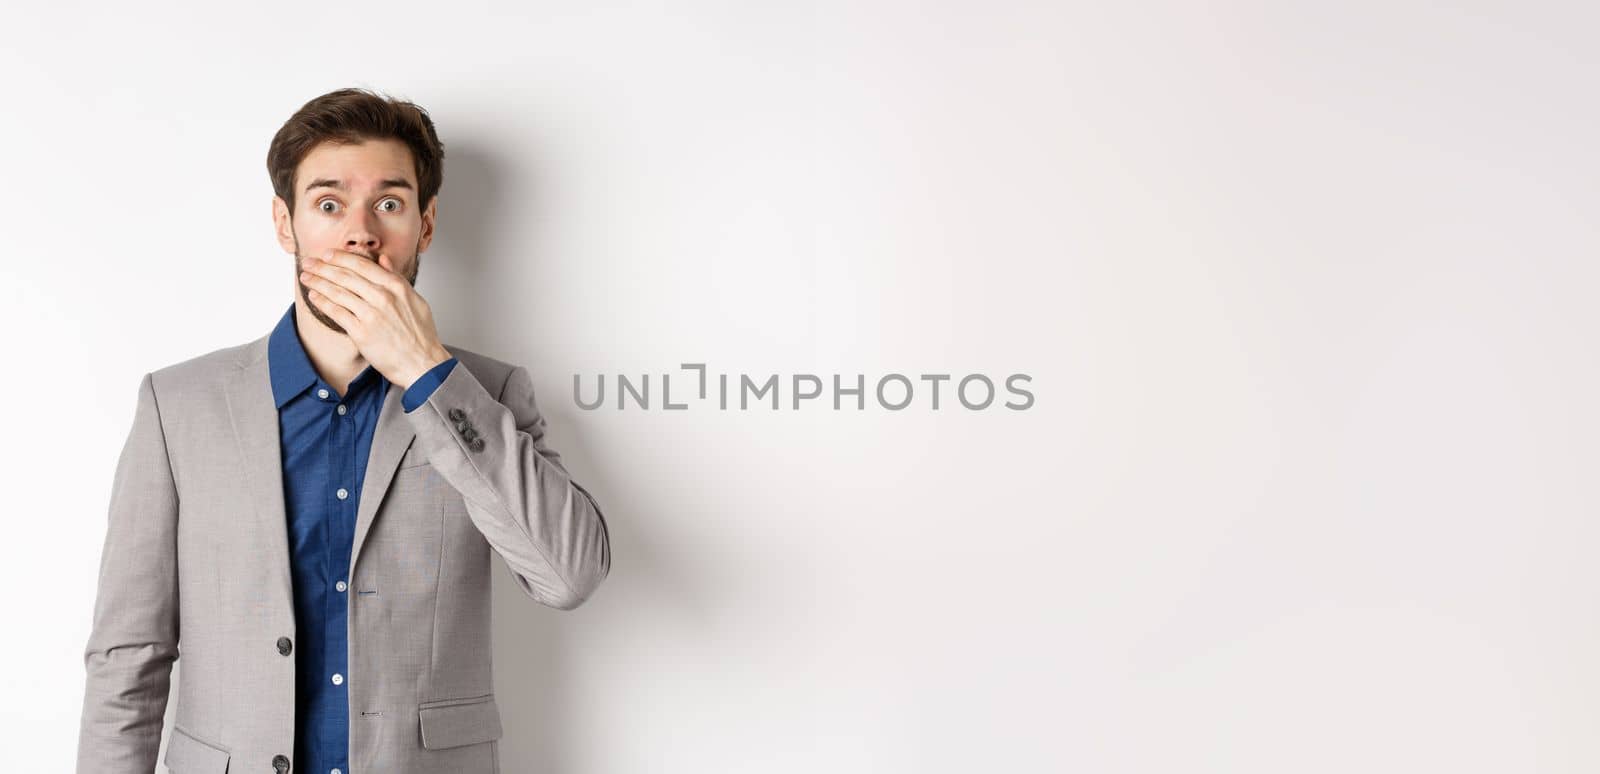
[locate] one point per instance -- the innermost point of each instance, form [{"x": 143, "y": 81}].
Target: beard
[{"x": 322, "y": 317}]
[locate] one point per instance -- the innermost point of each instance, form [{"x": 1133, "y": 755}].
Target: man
[{"x": 308, "y": 517}]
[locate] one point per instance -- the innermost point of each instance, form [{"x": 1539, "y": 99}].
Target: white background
[{"x": 1306, "y": 291}]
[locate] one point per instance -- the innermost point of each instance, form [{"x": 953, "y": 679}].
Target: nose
[{"x": 362, "y": 237}]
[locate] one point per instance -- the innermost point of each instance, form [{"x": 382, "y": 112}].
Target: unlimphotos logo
[{"x": 893, "y": 391}]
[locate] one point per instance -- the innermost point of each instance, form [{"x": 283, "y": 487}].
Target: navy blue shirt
[{"x": 325, "y": 441}]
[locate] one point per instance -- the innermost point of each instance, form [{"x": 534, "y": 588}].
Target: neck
[{"x": 332, "y": 354}]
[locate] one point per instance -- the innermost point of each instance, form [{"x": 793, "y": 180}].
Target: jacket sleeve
[
  {"x": 134, "y": 638},
  {"x": 493, "y": 451}
]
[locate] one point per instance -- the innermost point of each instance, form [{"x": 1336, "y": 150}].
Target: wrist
[{"x": 427, "y": 363}]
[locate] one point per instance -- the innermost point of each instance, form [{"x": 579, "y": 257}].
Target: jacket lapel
[
  {"x": 254, "y": 415},
  {"x": 390, "y": 439}
]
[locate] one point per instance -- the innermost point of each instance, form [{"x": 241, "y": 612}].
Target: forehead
[{"x": 357, "y": 165}]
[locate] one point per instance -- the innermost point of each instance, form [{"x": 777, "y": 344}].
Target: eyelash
[{"x": 398, "y": 205}]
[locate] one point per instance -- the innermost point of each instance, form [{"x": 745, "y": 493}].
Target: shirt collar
[
  {"x": 290, "y": 367},
  {"x": 286, "y": 359}
]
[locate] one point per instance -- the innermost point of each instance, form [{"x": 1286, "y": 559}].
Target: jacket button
[
  {"x": 284, "y": 646},
  {"x": 476, "y": 445},
  {"x": 280, "y": 763},
  {"x": 457, "y": 414},
  {"x": 471, "y": 434}
]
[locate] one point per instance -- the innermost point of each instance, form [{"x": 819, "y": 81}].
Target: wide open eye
[
  {"x": 385, "y": 205},
  {"x": 328, "y": 206}
]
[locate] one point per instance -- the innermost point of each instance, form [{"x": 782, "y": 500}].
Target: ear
[
  {"x": 283, "y": 224},
  {"x": 428, "y": 217}
]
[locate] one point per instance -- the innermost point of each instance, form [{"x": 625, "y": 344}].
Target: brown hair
[{"x": 354, "y": 116}]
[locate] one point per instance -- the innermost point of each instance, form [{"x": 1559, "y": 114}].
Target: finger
[
  {"x": 373, "y": 295},
  {"x": 366, "y": 268},
  {"x": 331, "y": 308},
  {"x": 336, "y": 292}
]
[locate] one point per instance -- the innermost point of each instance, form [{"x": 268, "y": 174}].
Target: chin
[{"x": 321, "y": 316}]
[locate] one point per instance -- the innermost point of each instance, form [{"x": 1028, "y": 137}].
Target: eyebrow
[{"x": 393, "y": 182}]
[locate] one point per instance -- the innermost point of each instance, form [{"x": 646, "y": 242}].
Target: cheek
[
  {"x": 313, "y": 229},
  {"x": 405, "y": 232}
]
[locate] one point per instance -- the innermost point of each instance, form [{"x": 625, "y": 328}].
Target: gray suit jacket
[{"x": 196, "y": 560}]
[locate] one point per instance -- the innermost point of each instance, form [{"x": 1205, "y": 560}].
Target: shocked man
[{"x": 308, "y": 517}]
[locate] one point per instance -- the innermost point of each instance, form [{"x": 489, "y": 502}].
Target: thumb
[{"x": 383, "y": 260}]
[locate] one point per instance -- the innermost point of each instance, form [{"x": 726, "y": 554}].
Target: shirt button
[
  {"x": 322, "y": 393},
  {"x": 342, "y": 493},
  {"x": 341, "y": 413},
  {"x": 340, "y": 586},
  {"x": 338, "y": 679},
  {"x": 334, "y": 771}
]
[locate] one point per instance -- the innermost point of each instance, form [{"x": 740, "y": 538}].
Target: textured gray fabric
[{"x": 196, "y": 561}]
